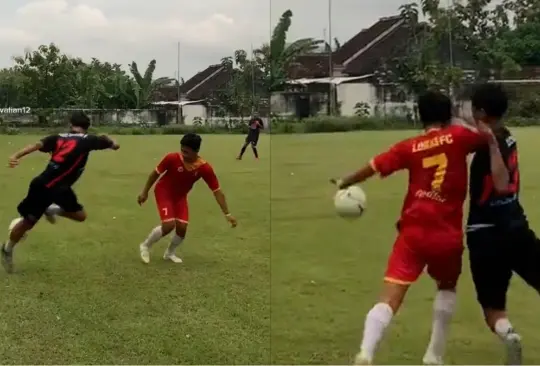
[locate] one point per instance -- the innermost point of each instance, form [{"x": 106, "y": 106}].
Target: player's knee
[
  {"x": 167, "y": 227},
  {"x": 81, "y": 216},
  {"x": 181, "y": 229}
]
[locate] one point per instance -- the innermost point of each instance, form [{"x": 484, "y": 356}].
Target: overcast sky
[{"x": 139, "y": 30}]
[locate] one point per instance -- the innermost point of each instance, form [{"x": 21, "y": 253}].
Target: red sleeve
[
  {"x": 164, "y": 164},
  {"x": 208, "y": 175},
  {"x": 390, "y": 161},
  {"x": 472, "y": 138}
]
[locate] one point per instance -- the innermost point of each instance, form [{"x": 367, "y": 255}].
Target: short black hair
[
  {"x": 191, "y": 140},
  {"x": 80, "y": 119},
  {"x": 490, "y": 98},
  {"x": 434, "y": 107}
]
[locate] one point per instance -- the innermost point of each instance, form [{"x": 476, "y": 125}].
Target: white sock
[
  {"x": 377, "y": 320},
  {"x": 153, "y": 237},
  {"x": 54, "y": 210},
  {"x": 9, "y": 245},
  {"x": 175, "y": 242},
  {"x": 443, "y": 310},
  {"x": 503, "y": 328}
]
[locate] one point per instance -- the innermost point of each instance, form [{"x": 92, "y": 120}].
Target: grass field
[{"x": 290, "y": 285}]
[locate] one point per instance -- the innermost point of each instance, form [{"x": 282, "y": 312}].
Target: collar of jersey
[{"x": 192, "y": 166}]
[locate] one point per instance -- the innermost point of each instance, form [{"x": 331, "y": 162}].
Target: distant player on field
[
  {"x": 430, "y": 231},
  {"x": 51, "y": 192},
  {"x": 177, "y": 173},
  {"x": 499, "y": 238},
  {"x": 255, "y": 126}
]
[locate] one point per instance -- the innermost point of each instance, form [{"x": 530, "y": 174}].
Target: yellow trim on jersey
[{"x": 396, "y": 281}]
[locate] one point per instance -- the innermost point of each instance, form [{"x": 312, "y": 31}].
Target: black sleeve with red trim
[
  {"x": 48, "y": 144},
  {"x": 99, "y": 142}
]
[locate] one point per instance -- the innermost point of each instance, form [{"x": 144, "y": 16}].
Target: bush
[{"x": 322, "y": 124}]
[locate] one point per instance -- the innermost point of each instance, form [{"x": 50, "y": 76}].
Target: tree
[
  {"x": 278, "y": 56},
  {"x": 144, "y": 86},
  {"x": 47, "y": 76},
  {"x": 328, "y": 48},
  {"x": 469, "y": 35}
]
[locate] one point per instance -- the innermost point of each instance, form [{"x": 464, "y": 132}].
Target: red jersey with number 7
[
  {"x": 178, "y": 177},
  {"x": 437, "y": 166},
  {"x": 69, "y": 155}
]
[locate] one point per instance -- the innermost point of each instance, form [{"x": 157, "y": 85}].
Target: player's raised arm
[
  {"x": 104, "y": 142},
  {"x": 499, "y": 170},
  {"x": 211, "y": 180},
  {"x": 478, "y": 136},
  {"x": 384, "y": 164},
  {"x": 47, "y": 145}
]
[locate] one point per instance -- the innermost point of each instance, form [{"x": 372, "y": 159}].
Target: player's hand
[
  {"x": 142, "y": 198},
  {"x": 336, "y": 182},
  {"x": 13, "y": 161},
  {"x": 230, "y": 218},
  {"x": 484, "y": 128}
]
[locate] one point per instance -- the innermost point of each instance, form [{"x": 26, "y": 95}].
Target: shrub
[{"x": 321, "y": 124}]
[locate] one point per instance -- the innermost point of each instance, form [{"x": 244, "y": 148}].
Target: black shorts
[
  {"x": 252, "y": 138},
  {"x": 495, "y": 255},
  {"x": 39, "y": 198}
]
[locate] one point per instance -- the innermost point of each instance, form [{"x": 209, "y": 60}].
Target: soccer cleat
[
  {"x": 430, "y": 359},
  {"x": 513, "y": 349},
  {"x": 172, "y": 257},
  {"x": 361, "y": 359},
  {"x": 7, "y": 259},
  {"x": 145, "y": 253}
]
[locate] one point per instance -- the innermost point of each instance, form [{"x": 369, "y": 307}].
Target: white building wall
[
  {"x": 192, "y": 111},
  {"x": 349, "y": 94}
]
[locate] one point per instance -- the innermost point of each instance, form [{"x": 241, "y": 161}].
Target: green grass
[
  {"x": 327, "y": 272},
  {"x": 81, "y": 294},
  {"x": 290, "y": 285}
]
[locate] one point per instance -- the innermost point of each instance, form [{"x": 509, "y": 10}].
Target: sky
[{"x": 123, "y": 31}]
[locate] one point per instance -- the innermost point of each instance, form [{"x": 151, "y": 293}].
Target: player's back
[
  {"x": 69, "y": 155},
  {"x": 437, "y": 165}
]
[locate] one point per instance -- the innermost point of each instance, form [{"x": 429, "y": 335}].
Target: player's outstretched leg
[
  {"x": 155, "y": 235},
  {"x": 242, "y": 151},
  {"x": 176, "y": 240},
  {"x": 17, "y": 231},
  {"x": 378, "y": 319},
  {"x": 443, "y": 311}
]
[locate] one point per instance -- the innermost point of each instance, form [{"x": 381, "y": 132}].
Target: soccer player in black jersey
[
  {"x": 51, "y": 193},
  {"x": 499, "y": 238},
  {"x": 255, "y": 126}
]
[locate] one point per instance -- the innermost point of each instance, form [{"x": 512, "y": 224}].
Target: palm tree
[
  {"x": 328, "y": 47},
  {"x": 144, "y": 86},
  {"x": 278, "y": 56}
]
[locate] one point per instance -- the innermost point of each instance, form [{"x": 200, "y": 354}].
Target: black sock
[
  {"x": 255, "y": 152},
  {"x": 242, "y": 151}
]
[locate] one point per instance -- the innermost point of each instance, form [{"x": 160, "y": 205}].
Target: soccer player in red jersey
[
  {"x": 430, "y": 228},
  {"x": 177, "y": 173}
]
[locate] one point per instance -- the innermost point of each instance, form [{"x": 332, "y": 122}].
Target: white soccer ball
[{"x": 350, "y": 202}]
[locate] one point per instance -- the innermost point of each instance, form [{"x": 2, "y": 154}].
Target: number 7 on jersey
[{"x": 439, "y": 162}]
